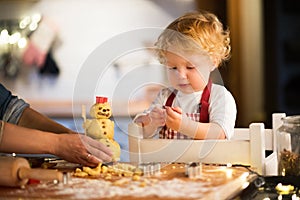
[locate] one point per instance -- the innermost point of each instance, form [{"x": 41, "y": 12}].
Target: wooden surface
[{"x": 215, "y": 182}]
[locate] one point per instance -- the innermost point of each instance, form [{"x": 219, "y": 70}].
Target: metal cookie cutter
[
  {"x": 193, "y": 170},
  {"x": 150, "y": 169}
]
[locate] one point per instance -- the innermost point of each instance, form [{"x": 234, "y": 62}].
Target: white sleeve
[{"x": 222, "y": 109}]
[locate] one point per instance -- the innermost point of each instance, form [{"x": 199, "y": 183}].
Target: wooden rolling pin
[{"x": 17, "y": 171}]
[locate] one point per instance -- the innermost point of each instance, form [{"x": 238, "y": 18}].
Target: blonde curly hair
[{"x": 196, "y": 31}]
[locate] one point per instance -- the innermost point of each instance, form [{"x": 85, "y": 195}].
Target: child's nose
[{"x": 182, "y": 73}]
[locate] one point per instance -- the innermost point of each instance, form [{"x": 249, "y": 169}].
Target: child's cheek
[{"x": 172, "y": 78}]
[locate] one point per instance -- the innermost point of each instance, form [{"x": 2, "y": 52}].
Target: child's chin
[{"x": 185, "y": 89}]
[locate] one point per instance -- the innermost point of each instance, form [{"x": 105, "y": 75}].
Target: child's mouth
[{"x": 184, "y": 85}]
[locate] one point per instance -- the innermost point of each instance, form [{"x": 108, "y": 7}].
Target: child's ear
[
  {"x": 212, "y": 68},
  {"x": 214, "y": 64}
]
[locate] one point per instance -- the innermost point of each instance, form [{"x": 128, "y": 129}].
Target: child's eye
[
  {"x": 172, "y": 67},
  {"x": 190, "y": 67}
]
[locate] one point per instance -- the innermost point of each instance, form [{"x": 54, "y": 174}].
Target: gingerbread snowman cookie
[{"x": 100, "y": 127}]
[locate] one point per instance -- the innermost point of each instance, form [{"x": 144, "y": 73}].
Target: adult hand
[{"x": 78, "y": 148}]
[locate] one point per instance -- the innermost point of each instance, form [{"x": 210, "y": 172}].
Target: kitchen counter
[{"x": 169, "y": 182}]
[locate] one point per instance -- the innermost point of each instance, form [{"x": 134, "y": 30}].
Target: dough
[{"x": 114, "y": 146}]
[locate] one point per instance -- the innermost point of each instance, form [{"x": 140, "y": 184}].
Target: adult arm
[
  {"x": 35, "y": 120},
  {"x": 71, "y": 147}
]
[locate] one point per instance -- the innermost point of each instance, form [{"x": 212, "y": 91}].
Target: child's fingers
[
  {"x": 158, "y": 117},
  {"x": 143, "y": 119},
  {"x": 177, "y": 109},
  {"x": 172, "y": 111},
  {"x": 158, "y": 110}
]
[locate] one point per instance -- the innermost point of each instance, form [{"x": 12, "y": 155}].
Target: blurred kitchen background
[{"x": 44, "y": 43}]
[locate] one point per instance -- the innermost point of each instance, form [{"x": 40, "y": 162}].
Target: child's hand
[
  {"x": 157, "y": 116},
  {"x": 142, "y": 120},
  {"x": 173, "y": 118}
]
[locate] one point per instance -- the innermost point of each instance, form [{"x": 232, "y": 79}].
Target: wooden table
[{"x": 169, "y": 182}]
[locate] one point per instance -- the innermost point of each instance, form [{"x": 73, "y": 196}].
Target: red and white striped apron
[{"x": 201, "y": 116}]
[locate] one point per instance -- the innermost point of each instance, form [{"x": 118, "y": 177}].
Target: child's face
[{"x": 188, "y": 73}]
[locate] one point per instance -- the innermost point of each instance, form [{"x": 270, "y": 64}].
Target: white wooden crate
[{"x": 247, "y": 147}]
